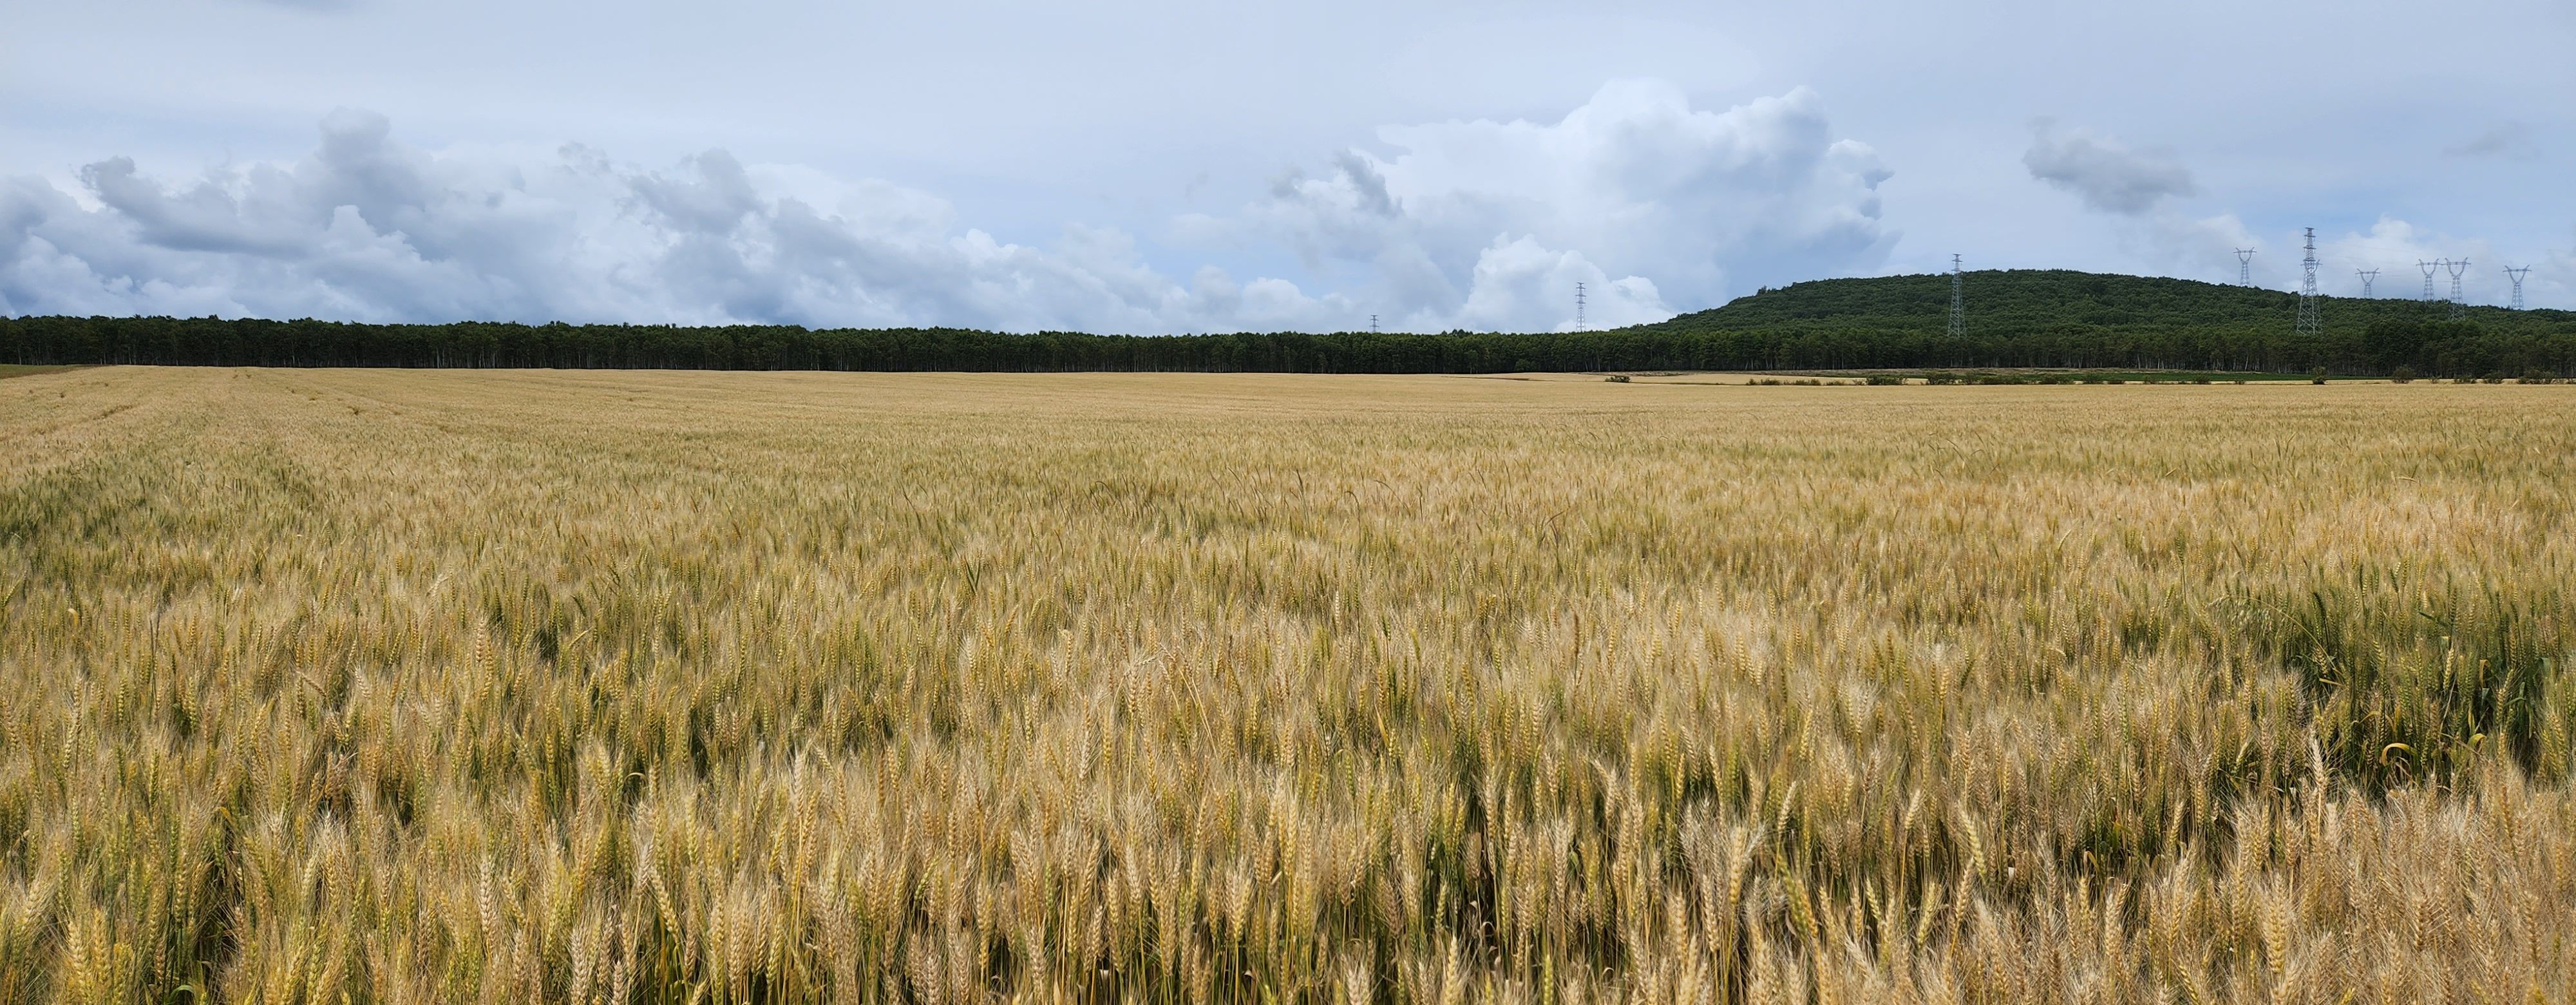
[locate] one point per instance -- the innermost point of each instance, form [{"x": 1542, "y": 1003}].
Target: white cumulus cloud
[{"x": 1656, "y": 205}]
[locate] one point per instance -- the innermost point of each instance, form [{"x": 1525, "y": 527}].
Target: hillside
[
  {"x": 2015, "y": 319},
  {"x": 2051, "y": 317}
]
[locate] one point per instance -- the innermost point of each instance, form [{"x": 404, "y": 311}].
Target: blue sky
[{"x": 1157, "y": 166}]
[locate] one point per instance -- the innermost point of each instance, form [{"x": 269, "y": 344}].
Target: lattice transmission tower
[
  {"x": 2517, "y": 275},
  {"x": 2369, "y": 278},
  {"x": 1958, "y": 302},
  {"x": 2308, "y": 321},
  {"x": 2244, "y": 266},
  {"x": 1372, "y": 324},
  {"x": 2429, "y": 269},
  {"x": 2459, "y": 304},
  {"x": 1578, "y": 308}
]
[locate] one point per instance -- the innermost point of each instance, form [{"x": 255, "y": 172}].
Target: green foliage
[
  {"x": 2017, "y": 319},
  {"x": 2437, "y": 680},
  {"x": 2052, "y": 318}
]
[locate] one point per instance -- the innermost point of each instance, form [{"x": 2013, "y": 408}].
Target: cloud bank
[
  {"x": 368, "y": 228},
  {"x": 1652, "y": 204}
]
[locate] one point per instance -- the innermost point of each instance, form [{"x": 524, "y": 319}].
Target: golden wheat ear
[{"x": 639, "y": 688}]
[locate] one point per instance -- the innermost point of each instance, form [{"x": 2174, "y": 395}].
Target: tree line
[{"x": 2015, "y": 319}]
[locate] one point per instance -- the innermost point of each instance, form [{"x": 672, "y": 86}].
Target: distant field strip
[{"x": 348, "y": 686}]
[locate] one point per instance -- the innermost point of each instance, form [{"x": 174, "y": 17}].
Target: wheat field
[{"x": 412, "y": 687}]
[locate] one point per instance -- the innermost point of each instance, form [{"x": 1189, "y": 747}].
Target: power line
[
  {"x": 2244, "y": 266},
  {"x": 2459, "y": 304},
  {"x": 2309, "y": 324},
  {"x": 2369, "y": 278},
  {"x": 1958, "y": 302},
  {"x": 2517, "y": 275}
]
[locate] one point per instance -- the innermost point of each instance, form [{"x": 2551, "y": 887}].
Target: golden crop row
[{"x": 346, "y": 686}]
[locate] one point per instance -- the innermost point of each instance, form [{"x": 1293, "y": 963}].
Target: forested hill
[
  {"x": 2059, "y": 318},
  {"x": 2014, "y": 319}
]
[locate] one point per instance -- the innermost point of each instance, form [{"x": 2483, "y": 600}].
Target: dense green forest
[
  {"x": 2017, "y": 318},
  {"x": 2055, "y": 318}
]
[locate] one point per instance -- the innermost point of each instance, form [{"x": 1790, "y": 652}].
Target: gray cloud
[
  {"x": 1471, "y": 224},
  {"x": 2509, "y": 140},
  {"x": 369, "y": 228},
  {"x": 2108, "y": 176},
  {"x": 715, "y": 201}
]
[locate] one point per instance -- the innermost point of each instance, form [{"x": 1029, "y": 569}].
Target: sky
[{"x": 1151, "y": 166}]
